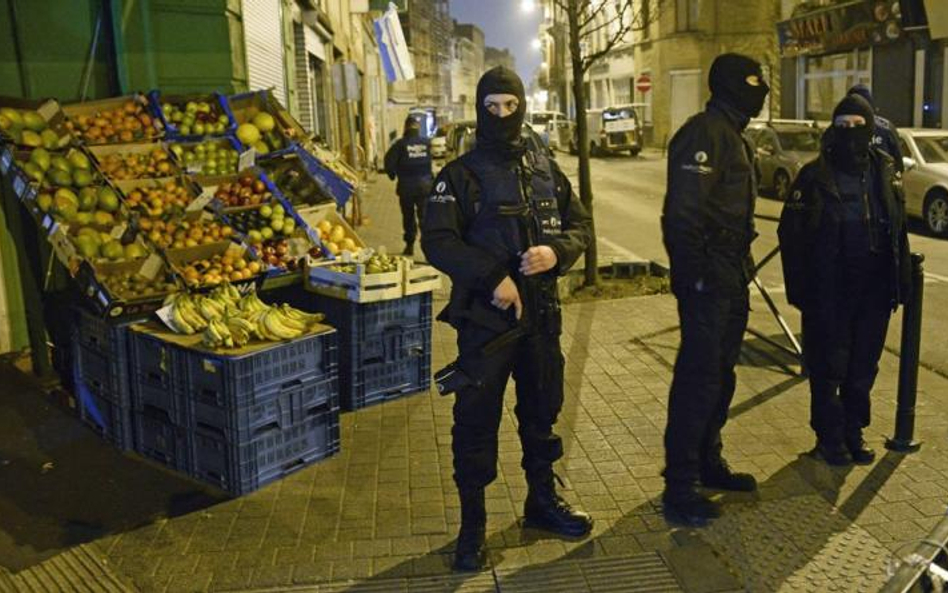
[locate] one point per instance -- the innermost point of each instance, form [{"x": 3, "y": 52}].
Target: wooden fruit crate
[
  {"x": 420, "y": 278},
  {"x": 360, "y": 287}
]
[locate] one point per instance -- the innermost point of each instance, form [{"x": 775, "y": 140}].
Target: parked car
[
  {"x": 925, "y": 154},
  {"x": 612, "y": 130},
  {"x": 782, "y": 148}
]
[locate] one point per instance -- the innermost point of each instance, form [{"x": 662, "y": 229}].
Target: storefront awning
[{"x": 841, "y": 27}]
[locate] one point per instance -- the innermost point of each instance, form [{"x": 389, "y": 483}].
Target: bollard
[{"x": 908, "y": 363}]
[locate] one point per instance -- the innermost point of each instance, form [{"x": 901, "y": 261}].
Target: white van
[
  {"x": 542, "y": 121},
  {"x": 614, "y": 129}
]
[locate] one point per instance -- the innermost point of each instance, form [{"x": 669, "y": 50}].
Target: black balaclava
[
  {"x": 412, "y": 127},
  {"x": 863, "y": 91},
  {"x": 728, "y": 83},
  {"x": 500, "y": 134},
  {"x": 848, "y": 148}
]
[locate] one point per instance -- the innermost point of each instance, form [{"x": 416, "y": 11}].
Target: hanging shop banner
[
  {"x": 396, "y": 60},
  {"x": 840, "y": 28}
]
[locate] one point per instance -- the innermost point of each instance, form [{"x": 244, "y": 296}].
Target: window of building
[
  {"x": 686, "y": 15},
  {"x": 827, "y": 78},
  {"x": 622, "y": 89}
]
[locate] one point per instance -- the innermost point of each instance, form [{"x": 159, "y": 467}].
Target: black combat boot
[
  {"x": 545, "y": 509},
  {"x": 683, "y": 505},
  {"x": 469, "y": 553},
  {"x": 409, "y": 249},
  {"x": 719, "y": 475},
  {"x": 858, "y": 449},
  {"x": 833, "y": 451}
]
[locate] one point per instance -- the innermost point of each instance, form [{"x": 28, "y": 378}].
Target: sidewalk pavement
[{"x": 382, "y": 514}]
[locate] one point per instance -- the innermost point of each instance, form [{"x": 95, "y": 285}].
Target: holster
[{"x": 452, "y": 378}]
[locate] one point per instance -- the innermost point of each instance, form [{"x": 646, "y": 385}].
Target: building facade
[
  {"x": 898, "y": 49},
  {"x": 494, "y": 57},
  {"x": 467, "y": 64},
  {"x": 661, "y": 68}
]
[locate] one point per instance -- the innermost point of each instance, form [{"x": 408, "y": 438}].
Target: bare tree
[{"x": 586, "y": 19}]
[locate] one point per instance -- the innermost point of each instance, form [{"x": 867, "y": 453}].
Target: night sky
[{"x": 504, "y": 25}]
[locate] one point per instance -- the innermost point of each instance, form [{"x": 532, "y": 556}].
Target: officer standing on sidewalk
[
  {"x": 708, "y": 226},
  {"x": 409, "y": 159},
  {"x": 503, "y": 223},
  {"x": 846, "y": 266}
]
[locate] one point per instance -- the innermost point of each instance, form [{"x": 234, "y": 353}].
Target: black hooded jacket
[
  {"x": 811, "y": 234},
  {"x": 708, "y": 215}
]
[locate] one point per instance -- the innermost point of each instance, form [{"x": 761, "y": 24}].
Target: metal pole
[
  {"x": 909, "y": 574},
  {"x": 908, "y": 363},
  {"x": 784, "y": 326}
]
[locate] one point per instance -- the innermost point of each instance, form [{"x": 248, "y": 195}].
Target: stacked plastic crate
[
  {"x": 100, "y": 356},
  {"x": 237, "y": 422}
]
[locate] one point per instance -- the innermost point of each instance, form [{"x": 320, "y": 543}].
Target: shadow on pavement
[{"x": 61, "y": 485}]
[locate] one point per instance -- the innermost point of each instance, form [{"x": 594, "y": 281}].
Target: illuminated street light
[
  {"x": 544, "y": 65},
  {"x": 536, "y": 44},
  {"x": 527, "y": 6}
]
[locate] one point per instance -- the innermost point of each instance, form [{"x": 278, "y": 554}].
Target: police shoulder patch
[
  {"x": 701, "y": 157},
  {"x": 796, "y": 196},
  {"x": 441, "y": 187}
]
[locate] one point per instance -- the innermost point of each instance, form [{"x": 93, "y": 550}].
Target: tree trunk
[{"x": 591, "y": 272}]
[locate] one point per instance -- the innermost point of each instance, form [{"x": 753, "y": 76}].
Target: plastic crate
[
  {"x": 161, "y": 393},
  {"x": 272, "y": 453},
  {"x": 99, "y": 410},
  {"x": 404, "y": 369},
  {"x": 172, "y": 131},
  {"x": 282, "y": 405},
  {"x": 385, "y": 346},
  {"x": 160, "y": 439},
  {"x": 240, "y": 381},
  {"x": 155, "y": 362},
  {"x": 106, "y": 375},
  {"x": 103, "y": 335}
]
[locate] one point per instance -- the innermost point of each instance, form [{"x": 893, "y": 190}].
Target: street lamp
[
  {"x": 536, "y": 43},
  {"x": 528, "y": 6}
]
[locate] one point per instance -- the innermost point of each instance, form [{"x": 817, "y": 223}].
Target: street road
[{"x": 627, "y": 199}]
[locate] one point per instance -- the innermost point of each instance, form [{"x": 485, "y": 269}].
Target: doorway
[{"x": 685, "y": 96}]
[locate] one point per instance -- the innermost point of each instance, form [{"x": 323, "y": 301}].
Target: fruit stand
[{"x": 226, "y": 309}]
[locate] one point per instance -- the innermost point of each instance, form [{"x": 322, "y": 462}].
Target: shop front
[{"x": 885, "y": 44}]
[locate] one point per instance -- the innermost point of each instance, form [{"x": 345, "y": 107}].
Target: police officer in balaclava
[
  {"x": 503, "y": 223},
  {"x": 845, "y": 255},
  {"x": 707, "y": 227}
]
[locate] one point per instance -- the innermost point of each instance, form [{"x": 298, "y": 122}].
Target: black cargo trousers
[
  {"x": 713, "y": 321},
  {"x": 536, "y": 363}
]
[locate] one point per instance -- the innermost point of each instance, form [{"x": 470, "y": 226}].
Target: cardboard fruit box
[
  {"x": 317, "y": 217},
  {"x": 98, "y": 122},
  {"x": 142, "y": 186},
  {"x": 203, "y": 259},
  {"x": 102, "y": 153},
  {"x": 111, "y": 295},
  {"x": 286, "y": 130},
  {"x": 181, "y": 148},
  {"x": 51, "y": 117}
]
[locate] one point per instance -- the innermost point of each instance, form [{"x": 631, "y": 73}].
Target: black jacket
[
  {"x": 474, "y": 272},
  {"x": 810, "y": 237},
  {"x": 708, "y": 215},
  {"x": 886, "y": 138},
  {"x": 409, "y": 159}
]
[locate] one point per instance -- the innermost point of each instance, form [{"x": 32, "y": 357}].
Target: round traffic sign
[{"x": 643, "y": 83}]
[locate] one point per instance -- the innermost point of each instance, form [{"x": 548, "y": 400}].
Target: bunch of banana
[
  {"x": 217, "y": 335},
  {"x": 210, "y": 308},
  {"x": 241, "y": 330},
  {"x": 251, "y": 304},
  {"x": 185, "y": 317},
  {"x": 297, "y": 315}
]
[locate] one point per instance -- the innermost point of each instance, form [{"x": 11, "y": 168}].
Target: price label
[
  {"x": 247, "y": 159},
  {"x": 195, "y": 168},
  {"x": 63, "y": 247},
  {"x": 201, "y": 201},
  {"x": 297, "y": 247},
  {"x": 18, "y": 186},
  {"x": 165, "y": 314},
  {"x": 6, "y": 157},
  {"x": 48, "y": 110},
  {"x": 118, "y": 230},
  {"x": 151, "y": 267}
]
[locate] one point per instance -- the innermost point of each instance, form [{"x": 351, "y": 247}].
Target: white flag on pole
[{"x": 396, "y": 60}]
